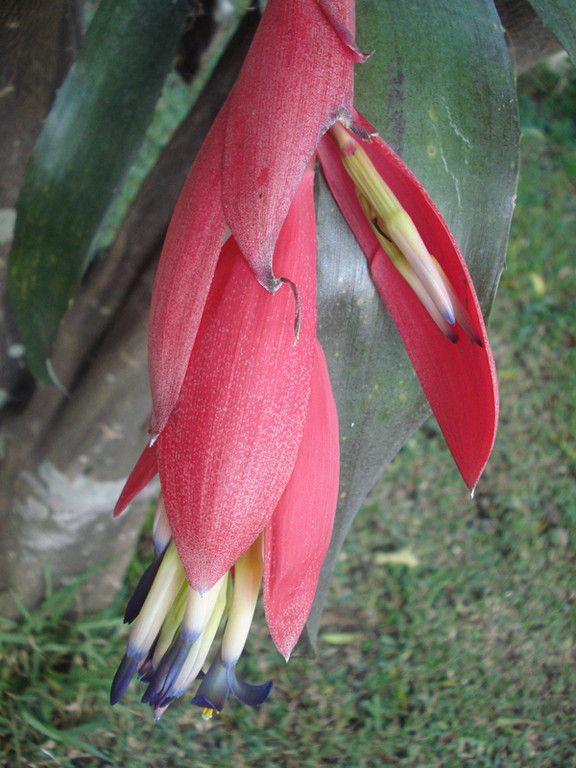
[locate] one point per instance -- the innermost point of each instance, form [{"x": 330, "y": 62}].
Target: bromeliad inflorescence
[
  {"x": 176, "y": 627},
  {"x": 249, "y": 466},
  {"x": 244, "y": 429}
]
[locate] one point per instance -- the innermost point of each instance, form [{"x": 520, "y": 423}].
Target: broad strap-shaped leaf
[
  {"x": 297, "y": 77},
  {"x": 458, "y": 378},
  {"x": 298, "y": 535},
  {"x": 440, "y": 89},
  {"x": 86, "y": 146},
  {"x": 231, "y": 443},
  {"x": 560, "y": 18}
]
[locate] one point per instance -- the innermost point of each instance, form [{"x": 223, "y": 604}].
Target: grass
[{"x": 466, "y": 659}]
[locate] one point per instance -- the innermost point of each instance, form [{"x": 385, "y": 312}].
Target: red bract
[
  {"x": 251, "y": 446},
  {"x": 185, "y": 271},
  {"x": 145, "y": 470},
  {"x": 298, "y": 535},
  {"x": 458, "y": 378},
  {"x": 296, "y": 80},
  {"x": 230, "y": 445}
]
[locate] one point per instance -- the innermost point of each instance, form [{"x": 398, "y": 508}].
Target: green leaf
[
  {"x": 66, "y": 737},
  {"x": 560, "y": 18},
  {"x": 84, "y": 151},
  {"x": 440, "y": 89}
]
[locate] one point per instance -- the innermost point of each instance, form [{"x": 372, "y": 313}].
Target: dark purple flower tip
[
  {"x": 253, "y": 695},
  {"x": 161, "y": 687},
  {"x": 146, "y": 674},
  {"x": 145, "y": 665},
  {"x": 190, "y": 636},
  {"x": 213, "y": 690},
  {"x": 141, "y": 592},
  {"x": 205, "y": 703},
  {"x": 124, "y": 674}
]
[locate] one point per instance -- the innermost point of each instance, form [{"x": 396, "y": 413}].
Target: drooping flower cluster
[
  {"x": 244, "y": 430},
  {"x": 255, "y": 422}
]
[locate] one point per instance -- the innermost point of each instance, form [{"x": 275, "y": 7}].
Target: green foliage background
[{"x": 466, "y": 659}]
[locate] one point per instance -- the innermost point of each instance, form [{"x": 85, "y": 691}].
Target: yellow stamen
[
  {"x": 392, "y": 220},
  {"x": 207, "y": 713},
  {"x": 247, "y": 580},
  {"x": 401, "y": 263},
  {"x": 165, "y": 588}
]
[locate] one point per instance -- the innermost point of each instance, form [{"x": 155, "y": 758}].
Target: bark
[
  {"x": 65, "y": 453},
  {"x": 529, "y": 42}
]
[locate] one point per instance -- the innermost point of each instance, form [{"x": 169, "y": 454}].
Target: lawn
[{"x": 462, "y": 653}]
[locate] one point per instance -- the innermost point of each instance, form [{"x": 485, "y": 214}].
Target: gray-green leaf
[
  {"x": 440, "y": 89},
  {"x": 86, "y": 146}
]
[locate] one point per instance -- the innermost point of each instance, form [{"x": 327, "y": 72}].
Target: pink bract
[
  {"x": 298, "y": 536},
  {"x": 296, "y": 80},
  {"x": 458, "y": 379},
  {"x": 230, "y": 445}
]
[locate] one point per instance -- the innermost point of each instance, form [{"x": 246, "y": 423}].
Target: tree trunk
[
  {"x": 67, "y": 456},
  {"x": 529, "y": 42}
]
